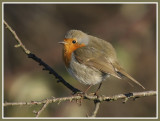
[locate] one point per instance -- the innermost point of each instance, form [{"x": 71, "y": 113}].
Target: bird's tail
[{"x": 131, "y": 78}]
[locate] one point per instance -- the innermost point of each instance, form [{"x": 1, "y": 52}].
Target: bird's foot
[
  {"x": 78, "y": 93},
  {"x": 81, "y": 94},
  {"x": 94, "y": 94}
]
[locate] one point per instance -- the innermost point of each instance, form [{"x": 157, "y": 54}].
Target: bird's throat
[{"x": 68, "y": 50}]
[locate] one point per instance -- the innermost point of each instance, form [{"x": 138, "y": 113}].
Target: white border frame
[{"x": 80, "y": 3}]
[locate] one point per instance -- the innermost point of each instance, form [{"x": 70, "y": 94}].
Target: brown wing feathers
[{"x": 90, "y": 57}]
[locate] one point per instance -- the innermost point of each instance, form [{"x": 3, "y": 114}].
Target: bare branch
[
  {"x": 51, "y": 100},
  {"x": 97, "y": 104},
  {"x": 20, "y": 44},
  {"x": 43, "y": 107},
  {"x": 86, "y": 96},
  {"x": 38, "y": 60}
]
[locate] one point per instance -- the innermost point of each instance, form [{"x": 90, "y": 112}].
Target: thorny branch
[
  {"x": 38, "y": 60},
  {"x": 96, "y": 99},
  {"x": 80, "y": 96},
  {"x": 101, "y": 98}
]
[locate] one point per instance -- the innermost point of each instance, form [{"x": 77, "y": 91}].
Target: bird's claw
[
  {"x": 78, "y": 93},
  {"x": 79, "y": 101}
]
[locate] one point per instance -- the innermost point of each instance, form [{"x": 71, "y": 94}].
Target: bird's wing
[{"x": 92, "y": 57}]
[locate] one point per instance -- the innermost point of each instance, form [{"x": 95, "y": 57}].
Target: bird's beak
[{"x": 62, "y": 43}]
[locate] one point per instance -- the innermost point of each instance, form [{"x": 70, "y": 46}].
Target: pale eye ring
[{"x": 74, "y": 41}]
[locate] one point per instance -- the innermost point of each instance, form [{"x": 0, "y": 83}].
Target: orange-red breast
[{"x": 90, "y": 59}]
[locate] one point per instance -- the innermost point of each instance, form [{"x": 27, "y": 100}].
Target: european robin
[{"x": 90, "y": 59}]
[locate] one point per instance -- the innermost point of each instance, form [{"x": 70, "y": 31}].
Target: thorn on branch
[
  {"x": 59, "y": 102},
  {"x": 71, "y": 100},
  {"x": 16, "y": 46},
  {"x": 125, "y": 100}
]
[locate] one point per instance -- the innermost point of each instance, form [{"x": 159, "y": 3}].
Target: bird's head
[{"x": 75, "y": 39}]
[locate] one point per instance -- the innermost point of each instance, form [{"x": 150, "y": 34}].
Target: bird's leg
[
  {"x": 98, "y": 88},
  {"x": 81, "y": 94},
  {"x": 88, "y": 88}
]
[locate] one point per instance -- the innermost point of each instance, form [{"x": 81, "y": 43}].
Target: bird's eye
[{"x": 74, "y": 41}]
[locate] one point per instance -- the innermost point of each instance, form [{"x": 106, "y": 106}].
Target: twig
[
  {"x": 50, "y": 100},
  {"x": 86, "y": 96},
  {"x": 97, "y": 104},
  {"x": 20, "y": 44},
  {"x": 43, "y": 107},
  {"x": 38, "y": 60}
]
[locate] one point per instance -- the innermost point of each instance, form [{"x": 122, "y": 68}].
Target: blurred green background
[{"x": 131, "y": 28}]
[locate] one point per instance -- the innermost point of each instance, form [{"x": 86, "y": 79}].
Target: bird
[{"x": 91, "y": 60}]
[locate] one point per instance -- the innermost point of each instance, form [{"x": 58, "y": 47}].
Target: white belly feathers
[{"x": 83, "y": 73}]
